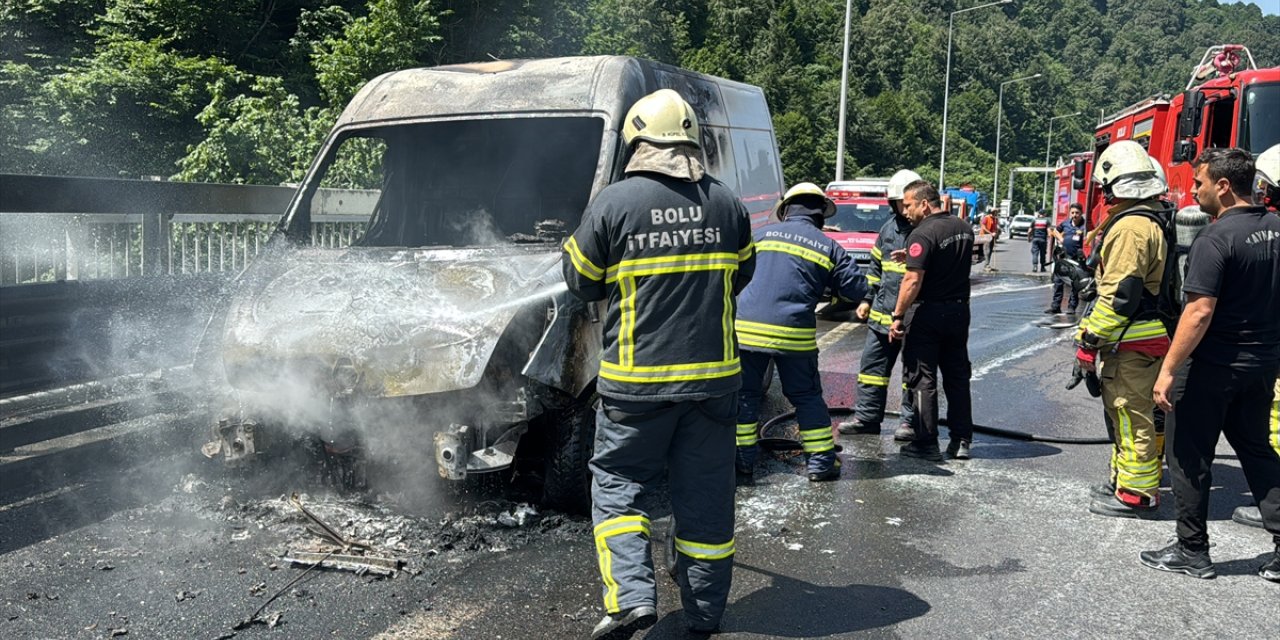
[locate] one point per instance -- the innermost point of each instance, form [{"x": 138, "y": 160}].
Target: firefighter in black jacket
[
  {"x": 796, "y": 265},
  {"x": 879, "y": 354},
  {"x": 667, "y": 248}
]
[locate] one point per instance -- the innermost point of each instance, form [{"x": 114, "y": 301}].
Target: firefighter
[
  {"x": 1229, "y": 331},
  {"x": 796, "y": 265},
  {"x": 1069, "y": 237},
  {"x": 667, "y": 248},
  {"x": 932, "y": 313},
  {"x": 1121, "y": 335},
  {"x": 879, "y": 354},
  {"x": 1266, "y": 192},
  {"x": 1038, "y": 236}
]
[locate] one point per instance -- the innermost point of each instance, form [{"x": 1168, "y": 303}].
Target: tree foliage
[{"x": 245, "y": 90}]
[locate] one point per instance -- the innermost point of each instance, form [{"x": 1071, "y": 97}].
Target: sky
[{"x": 1269, "y": 7}]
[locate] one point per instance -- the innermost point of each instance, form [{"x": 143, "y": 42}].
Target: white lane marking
[
  {"x": 831, "y": 337},
  {"x": 994, "y": 291},
  {"x": 1035, "y": 347}
]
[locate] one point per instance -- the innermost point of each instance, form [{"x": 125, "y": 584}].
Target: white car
[{"x": 1021, "y": 225}]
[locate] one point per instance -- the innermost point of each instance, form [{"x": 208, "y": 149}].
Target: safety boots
[
  {"x": 1271, "y": 570},
  {"x": 1179, "y": 559},
  {"x": 823, "y": 466},
  {"x": 904, "y": 433},
  {"x": 1129, "y": 506},
  {"x": 745, "y": 460},
  {"x": 921, "y": 449},
  {"x": 858, "y": 427},
  {"x": 624, "y": 624}
]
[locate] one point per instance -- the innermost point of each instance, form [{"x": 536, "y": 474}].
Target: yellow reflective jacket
[{"x": 1133, "y": 249}]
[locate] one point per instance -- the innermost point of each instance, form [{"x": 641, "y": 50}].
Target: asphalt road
[{"x": 142, "y": 545}]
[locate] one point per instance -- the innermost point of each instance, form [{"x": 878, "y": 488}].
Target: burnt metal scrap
[{"x": 359, "y": 564}]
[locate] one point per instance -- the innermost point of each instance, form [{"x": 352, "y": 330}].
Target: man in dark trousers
[
  {"x": 875, "y": 368},
  {"x": 667, "y": 248},
  {"x": 1228, "y": 328},
  {"x": 1068, "y": 236},
  {"x": 933, "y": 315},
  {"x": 796, "y": 263},
  {"x": 1038, "y": 236}
]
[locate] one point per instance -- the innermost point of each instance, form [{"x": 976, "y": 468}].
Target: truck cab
[{"x": 862, "y": 208}]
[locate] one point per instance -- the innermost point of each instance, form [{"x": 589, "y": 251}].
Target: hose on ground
[{"x": 789, "y": 444}]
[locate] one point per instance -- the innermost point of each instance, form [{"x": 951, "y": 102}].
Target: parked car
[
  {"x": 1021, "y": 225},
  {"x": 445, "y": 330}
]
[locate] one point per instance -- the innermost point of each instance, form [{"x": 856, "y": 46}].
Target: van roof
[{"x": 605, "y": 84}]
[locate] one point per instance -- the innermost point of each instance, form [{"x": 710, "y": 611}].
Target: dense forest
[{"x": 245, "y": 90}]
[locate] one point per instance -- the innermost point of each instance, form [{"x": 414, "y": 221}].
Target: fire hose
[{"x": 774, "y": 443}]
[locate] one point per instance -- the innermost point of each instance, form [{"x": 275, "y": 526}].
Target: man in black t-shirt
[
  {"x": 1228, "y": 328},
  {"x": 932, "y": 313}
]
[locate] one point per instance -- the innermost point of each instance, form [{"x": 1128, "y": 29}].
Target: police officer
[
  {"x": 1229, "y": 330},
  {"x": 1069, "y": 237},
  {"x": 796, "y": 265},
  {"x": 667, "y": 248},
  {"x": 1122, "y": 336},
  {"x": 932, "y": 313},
  {"x": 1266, "y": 192},
  {"x": 879, "y": 353},
  {"x": 1038, "y": 236}
]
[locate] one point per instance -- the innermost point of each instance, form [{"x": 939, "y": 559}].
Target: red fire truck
[
  {"x": 1235, "y": 104},
  {"x": 862, "y": 207}
]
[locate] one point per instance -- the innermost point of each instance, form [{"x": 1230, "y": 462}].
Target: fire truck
[
  {"x": 862, "y": 207},
  {"x": 1228, "y": 102}
]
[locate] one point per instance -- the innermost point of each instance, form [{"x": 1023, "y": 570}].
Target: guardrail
[{"x": 55, "y": 228}]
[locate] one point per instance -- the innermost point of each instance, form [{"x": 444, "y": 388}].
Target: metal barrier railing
[{"x": 67, "y": 228}]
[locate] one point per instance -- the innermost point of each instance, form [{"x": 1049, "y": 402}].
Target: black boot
[
  {"x": 1116, "y": 508},
  {"x": 858, "y": 427},
  {"x": 924, "y": 450},
  {"x": 958, "y": 448},
  {"x": 1179, "y": 559}
]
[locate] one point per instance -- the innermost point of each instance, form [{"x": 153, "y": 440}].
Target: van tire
[{"x": 567, "y": 479}]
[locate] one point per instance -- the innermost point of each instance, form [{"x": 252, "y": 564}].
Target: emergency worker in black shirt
[
  {"x": 667, "y": 248},
  {"x": 933, "y": 315},
  {"x": 1229, "y": 330}
]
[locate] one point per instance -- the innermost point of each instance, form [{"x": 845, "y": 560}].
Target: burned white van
[{"x": 441, "y": 327}]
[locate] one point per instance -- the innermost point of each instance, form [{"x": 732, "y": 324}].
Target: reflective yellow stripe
[
  {"x": 1144, "y": 331},
  {"x": 817, "y": 440},
  {"x": 877, "y": 381},
  {"x": 795, "y": 250},
  {"x": 873, "y": 279},
  {"x": 775, "y": 330},
  {"x": 584, "y": 266},
  {"x": 879, "y": 317},
  {"x": 765, "y": 342},
  {"x": 671, "y": 264},
  {"x": 726, "y": 317},
  {"x": 746, "y": 253},
  {"x": 704, "y": 551},
  {"x": 894, "y": 267},
  {"x": 746, "y": 435},
  {"x": 876, "y": 253},
  {"x": 670, "y": 373},
  {"x": 627, "y": 328},
  {"x": 604, "y": 531},
  {"x": 1275, "y": 419}
]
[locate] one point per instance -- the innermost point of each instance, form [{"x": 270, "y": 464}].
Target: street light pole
[
  {"x": 844, "y": 92},
  {"x": 1044, "y": 192},
  {"x": 995, "y": 178},
  {"x": 946, "y": 91}
]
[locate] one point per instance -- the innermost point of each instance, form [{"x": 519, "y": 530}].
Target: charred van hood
[{"x": 378, "y": 321}]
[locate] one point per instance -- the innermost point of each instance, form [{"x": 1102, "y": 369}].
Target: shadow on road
[{"x": 791, "y": 608}]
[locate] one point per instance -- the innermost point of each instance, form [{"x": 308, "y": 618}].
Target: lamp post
[
  {"x": 844, "y": 92},
  {"x": 1044, "y": 193},
  {"x": 946, "y": 91},
  {"x": 995, "y": 178}
]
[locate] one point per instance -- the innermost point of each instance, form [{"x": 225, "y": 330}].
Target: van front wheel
[{"x": 566, "y": 478}]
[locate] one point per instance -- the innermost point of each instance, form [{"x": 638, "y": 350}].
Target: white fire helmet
[
  {"x": 1155, "y": 164},
  {"x": 662, "y": 117},
  {"x": 804, "y": 189},
  {"x": 898, "y": 183},
  {"x": 1126, "y": 172},
  {"x": 1266, "y": 188}
]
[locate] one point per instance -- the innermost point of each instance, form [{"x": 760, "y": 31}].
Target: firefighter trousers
[
  {"x": 1128, "y": 378},
  {"x": 692, "y": 443},
  {"x": 938, "y": 341},
  {"x": 1243, "y": 406},
  {"x": 802, "y": 386},
  {"x": 875, "y": 369}
]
